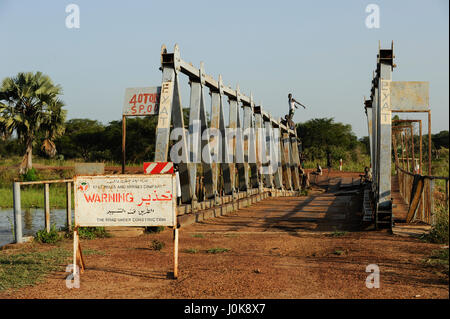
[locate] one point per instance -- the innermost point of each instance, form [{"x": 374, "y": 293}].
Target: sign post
[
  {"x": 124, "y": 200},
  {"x": 140, "y": 101}
]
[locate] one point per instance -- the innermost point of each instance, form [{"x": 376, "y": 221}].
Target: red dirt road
[{"x": 291, "y": 247}]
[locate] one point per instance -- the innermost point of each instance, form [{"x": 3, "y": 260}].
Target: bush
[
  {"x": 30, "y": 176},
  {"x": 439, "y": 231},
  {"x": 154, "y": 229},
  {"x": 51, "y": 237},
  {"x": 156, "y": 245}
]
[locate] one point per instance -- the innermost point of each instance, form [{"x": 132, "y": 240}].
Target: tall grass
[
  {"x": 439, "y": 232},
  {"x": 348, "y": 166},
  {"x": 33, "y": 196}
]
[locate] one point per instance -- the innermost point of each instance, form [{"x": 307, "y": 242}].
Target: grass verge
[
  {"x": 439, "y": 260},
  {"x": 217, "y": 250},
  {"x": 191, "y": 250},
  {"x": 89, "y": 233},
  {"x": 439, "y": 232},
  {"x": 28, "y": 268}
]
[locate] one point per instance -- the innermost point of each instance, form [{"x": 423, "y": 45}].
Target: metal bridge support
[
  {"x": 237, "y": 150},
  {"x": 171, "y": 111},
  {"x": 198, "y": 124},
  {"x": 286, "y": 156},
  {"x": 295, "y": 162},
  {"x": 260, "y": 145},
  {"x": 368, "y": 111},
  {"x": 388, "y": 96},
  {"x": 249, "y": 143},
  {"x": 253, "y": 155},
  {"x": 270, "y": 154},
  {"x": 384, "y": 139}
]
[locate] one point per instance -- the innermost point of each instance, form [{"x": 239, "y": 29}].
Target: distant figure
[
  {"x": 318, "y": 170},
  {"x": 367, "y": 176},
  {"x": 292, "y": 106},
  {"x": 304, "y": 177},
  {"x": 329, "y": 161}
]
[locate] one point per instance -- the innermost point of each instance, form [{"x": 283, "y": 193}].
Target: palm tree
[{"x": 29, "y": 105}]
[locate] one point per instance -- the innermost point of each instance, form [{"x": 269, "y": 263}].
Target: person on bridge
[{"x": 292, "y": 106}]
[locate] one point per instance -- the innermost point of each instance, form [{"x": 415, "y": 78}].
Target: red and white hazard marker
[{"x": 158, "y": 167}]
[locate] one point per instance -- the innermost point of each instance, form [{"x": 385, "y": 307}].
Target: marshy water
[{"x": 33, "y": 220}]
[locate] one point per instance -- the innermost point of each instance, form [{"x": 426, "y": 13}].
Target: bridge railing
[
  {"x": 46, "y": 183},
  {"x": 421, "y": 194}
]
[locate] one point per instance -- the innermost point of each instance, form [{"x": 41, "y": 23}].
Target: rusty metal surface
[{"x": 410, "y": 95}]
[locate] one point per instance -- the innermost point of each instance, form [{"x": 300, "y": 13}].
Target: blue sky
[{"x": 321, "y": 51}]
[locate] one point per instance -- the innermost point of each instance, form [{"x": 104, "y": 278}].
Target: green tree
[
  {"x": 323, "y": 135},
  {"x": 81, "y": 138},
  {"x": 365, "y": 141},
  {"x": 440, "y": 139},
  {"x": 30, "y": 106}
]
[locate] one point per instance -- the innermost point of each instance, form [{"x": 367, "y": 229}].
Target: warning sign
[{"x": 125, "y": 200}]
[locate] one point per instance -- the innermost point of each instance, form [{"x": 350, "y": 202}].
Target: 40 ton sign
[{"x": 141, "y": 101}]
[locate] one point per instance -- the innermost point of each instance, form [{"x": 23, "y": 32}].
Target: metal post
[
  {"x": 295, "y": 160},
  {"x": 260, "y": 145},
  {"x": 285, "y": 159},
  {"x": 403, "y": 149},
  {"x": 412, "y": 148},
  {"x": 215, "y": 138},
  {"x": 270, "y": 154},
  {"x": 431, "y": 202},
  {"x": 232, "y": 124},
  {"x": 171, "y": 111},
  {"x": 385, "y": 66},
  {"x": 69, "y": 205},
  {"x": 235, "y": 121},
  {"x": 246, "y": 121},
  {"x": 17, "y": 213},
  {"x": 279, "y": 154},
  {"x": 249, "y": 144},
  {"x": 368, "y": 108},
  {"x": 407, "y": 150},
  {"x": 175, "y": 252},
  {"x": 429, "y": 142},
  {"x": 375, "y": 107},
  {"x": 47, "y": 206},
  {"x": 225, "y": 165},
  {"x": 420, "y": 147},
  {"x": 124, "y": 137}
]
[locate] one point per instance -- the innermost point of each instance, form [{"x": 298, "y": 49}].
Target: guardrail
[
  {"x": 18, "y": 206},
  {"x": 418, "y": 191}
]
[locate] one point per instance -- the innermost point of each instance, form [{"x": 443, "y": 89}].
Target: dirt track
[{"x": 288, "y": 247}]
